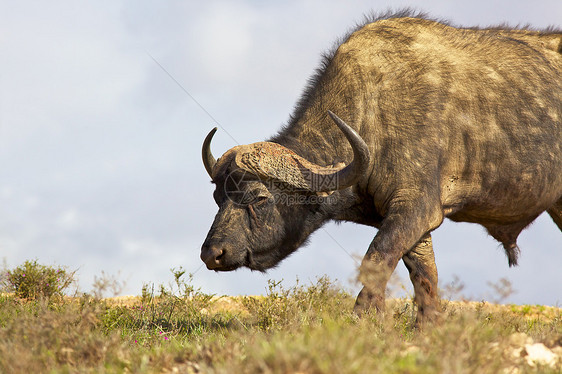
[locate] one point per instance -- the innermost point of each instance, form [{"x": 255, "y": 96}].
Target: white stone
[{"x": 539, "y": 354}]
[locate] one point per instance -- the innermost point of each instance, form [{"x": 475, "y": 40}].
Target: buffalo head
[{"x": 270, "y": 199}]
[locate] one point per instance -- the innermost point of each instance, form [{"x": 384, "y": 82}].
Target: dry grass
[{"x": 304, "y": 329}]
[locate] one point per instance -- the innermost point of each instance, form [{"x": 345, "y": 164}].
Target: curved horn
[
  {"x": 272, "y": 160},
  {"x": 348, "y": 175},
  {"x": 208, "y": 159}
]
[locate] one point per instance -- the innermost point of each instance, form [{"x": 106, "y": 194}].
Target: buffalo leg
[
  {"x": 420, "y": 262},
  {"x": 556, "y": 213},
  {"x": 402, "y": 228}
]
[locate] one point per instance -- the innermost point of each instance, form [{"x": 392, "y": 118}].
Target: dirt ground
[{"x": 234, "y": 304}]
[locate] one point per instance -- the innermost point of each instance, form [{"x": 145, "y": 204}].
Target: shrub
[
  {"x": 299, "y": 305},
  {"x": 32, "y": 280}
]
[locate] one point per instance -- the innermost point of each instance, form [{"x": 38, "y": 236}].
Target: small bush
[
  {"x": 180, "y": 309},
  {"x": 298, "y": 305},
  {"x": 32, "y": 280}
]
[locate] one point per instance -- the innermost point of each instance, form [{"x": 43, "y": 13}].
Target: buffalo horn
[
  {"x": 348, "y": 175},
  {"x": 208, "y": 159}
]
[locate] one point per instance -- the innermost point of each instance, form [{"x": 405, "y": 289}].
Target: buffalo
[{"x": 408, "y": 121}]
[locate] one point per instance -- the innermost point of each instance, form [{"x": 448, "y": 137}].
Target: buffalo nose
[{"x": 211, "y": 256}]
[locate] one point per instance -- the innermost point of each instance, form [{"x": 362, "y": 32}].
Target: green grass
[{"x": 302, "y": 329}]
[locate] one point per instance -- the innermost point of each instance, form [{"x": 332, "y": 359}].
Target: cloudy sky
[{"x": 100, "y": 137}]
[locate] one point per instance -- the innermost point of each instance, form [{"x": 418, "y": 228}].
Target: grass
[{"x": 302, "y": 329}]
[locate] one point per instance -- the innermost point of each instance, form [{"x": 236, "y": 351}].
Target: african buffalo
[{"x": 440, "y": 121}]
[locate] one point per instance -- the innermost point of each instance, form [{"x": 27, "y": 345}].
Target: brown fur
[{"x": 460, "y": 123}]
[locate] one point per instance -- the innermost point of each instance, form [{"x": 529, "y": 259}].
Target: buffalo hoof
[
  {"x": 427, "y": 315},
  {"x": 367, "y": 302}
]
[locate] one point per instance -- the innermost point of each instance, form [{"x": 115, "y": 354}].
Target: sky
[{"x": 103, "y": 109}]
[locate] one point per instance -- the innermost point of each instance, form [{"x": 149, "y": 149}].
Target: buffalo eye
[
  {"x": 253, "y": 197},
  {"x": 260, "y": 201}
]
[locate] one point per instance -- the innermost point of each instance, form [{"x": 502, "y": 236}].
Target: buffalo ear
[{"x": 338, "y": 166}]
